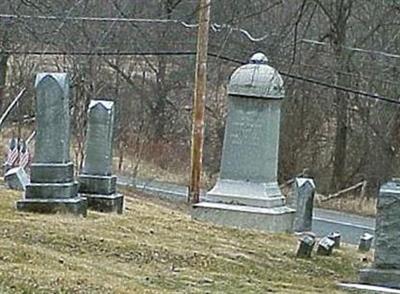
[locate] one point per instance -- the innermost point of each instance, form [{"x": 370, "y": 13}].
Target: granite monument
[
  {"x": 52, "y": 188},
  {"x": 385, "y": 270},
  {"x": 247, "y": 194},
  {"x": 96, "y": 182}
]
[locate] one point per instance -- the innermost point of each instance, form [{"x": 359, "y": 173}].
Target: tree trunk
[{"x": 338, "y": 29}]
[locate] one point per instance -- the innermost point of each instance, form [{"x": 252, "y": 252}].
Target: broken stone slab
[
  {"x": 365, "y": 242},
  {"x": 16, "y": 178},
  {"x": 325, "y": 246},
  {"x": 335, "y": 237},
  {"x": 306, "y": 246}
]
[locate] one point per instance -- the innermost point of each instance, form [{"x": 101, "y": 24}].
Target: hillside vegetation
[{"x": 154, "y": 247}]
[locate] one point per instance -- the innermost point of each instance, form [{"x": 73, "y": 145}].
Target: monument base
[
  {"x": 277, "y": 219},
  {"x": 380, "y": 277},
  {"x": 105, "y": 203},
  {"x": 92, "y": 184},
  {"x": 266, "y": 195},
  {"x": 76, "y": 206},
  {"x": 51, "y": 190},
  {"x": 52, "y": 172}
]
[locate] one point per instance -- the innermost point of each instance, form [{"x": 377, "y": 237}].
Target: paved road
[{"x": 350, "y": 226}]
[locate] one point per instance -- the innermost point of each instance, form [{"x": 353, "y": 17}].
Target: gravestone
[
  {"x": 325, "y": 246},
  {"x": 306, "y": 246},
  {"x": 303, "y": 194},
  {"x": 52, "y": 188},
  {"x": 365, "y": 242},
  {"x": 96, "y": 182},
  {"x": 247, "y": 194},
  {"x": 335, "y": 237},
  {"x": 385, "y": 270},
  {"x": 16, "y": 178}
]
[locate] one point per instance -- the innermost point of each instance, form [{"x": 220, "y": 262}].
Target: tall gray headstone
[
  {"x": 52, "y": 188},
  {"x": 249, "y": 164},
  {"x": 303, "y": 194},
  {"x": 385, "y": 270},
  {"x": 96, "y": 182}
]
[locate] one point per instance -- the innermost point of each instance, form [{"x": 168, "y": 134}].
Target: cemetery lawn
[{"x": 154, "y": 247}]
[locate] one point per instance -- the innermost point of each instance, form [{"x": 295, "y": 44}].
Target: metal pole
[{"x": 199, "y": 101}]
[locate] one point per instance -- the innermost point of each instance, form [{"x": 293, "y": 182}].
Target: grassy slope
[{"x": 153, "y": 248}]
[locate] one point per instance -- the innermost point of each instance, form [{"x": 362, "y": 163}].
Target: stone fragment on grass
[
  {"x": 365, "y": 242},
  {"x": 16, "y": 178},
  {"x": 325, "y": 246},
  {"x": 335, "y": 237},
  {"x": 306, "y": 246}
]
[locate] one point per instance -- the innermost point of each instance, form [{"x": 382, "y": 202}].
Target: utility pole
[{"x": 199, "y": 101}]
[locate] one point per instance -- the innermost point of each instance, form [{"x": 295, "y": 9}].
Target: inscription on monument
[{"x": 250, "y": 148}]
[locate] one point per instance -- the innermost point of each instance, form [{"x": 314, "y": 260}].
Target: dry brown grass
[{"x": 154, "y": 247}]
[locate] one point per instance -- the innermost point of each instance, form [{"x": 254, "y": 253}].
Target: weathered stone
[
  {"x": 248, "y": 174},
  {"x": 96, "y": 182},
  {"x": 106, "y": 185},
  {"x": 365, "y": 242},
  {"x": 303, "y": 193},
  {"x": 76, "y": 206},
  {"x": 99, "y": 138},
  {"x": 306, "y": 246},
  {"x": 16, "y": 178},
  {"x": 52, "y": 188},
  {"x": 242, "y": 216},
  {"x": 385, "y": 270},
  {"x": 325, "y": 246},
  {"x": 335, "y": 237},
  {"x": 105, "y": 203},
  {"x": 52, "y": 139}
]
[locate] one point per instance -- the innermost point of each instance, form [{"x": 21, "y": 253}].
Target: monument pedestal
[
  {"x": 247, "y": 205},
  {"x": 277, "y": 219},
  {"x": 105, "y": 203},
  {"x": 246, "y": 193},
  {"x": 52, "y": 198},
  {"x": 380, "y": 277},
  {"x": 100, "y": 192},
  {"x": 76, "y": 206}
]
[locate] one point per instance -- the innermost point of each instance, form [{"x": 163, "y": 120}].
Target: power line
[
  {"x": 360, "y": 50},
  {"x": 215, "y": 27},
  {"x": 214, "y": 55}
]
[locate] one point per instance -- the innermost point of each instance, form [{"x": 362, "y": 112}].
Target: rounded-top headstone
[{"x": 257, "y": 79}]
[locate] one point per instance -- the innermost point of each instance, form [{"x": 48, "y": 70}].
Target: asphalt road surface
[{"x": 350, "y": 226}]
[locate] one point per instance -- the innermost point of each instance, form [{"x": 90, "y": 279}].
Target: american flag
[
  {"x": 24, "y": 155},
  {"x": 12, "y": 153}
]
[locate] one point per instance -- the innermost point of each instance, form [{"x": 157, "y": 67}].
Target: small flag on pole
[
  {"x": 24, "y": 155},
  {"x": 12, "y": 153}
]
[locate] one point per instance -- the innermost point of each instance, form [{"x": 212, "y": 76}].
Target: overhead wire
[{"x": 211, "y": 54}]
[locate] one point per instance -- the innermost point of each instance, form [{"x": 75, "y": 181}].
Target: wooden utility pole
[{"x": 199, "y": 101}]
